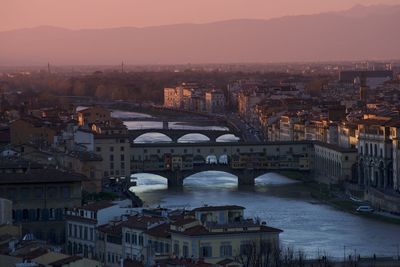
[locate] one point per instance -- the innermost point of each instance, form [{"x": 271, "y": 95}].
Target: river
[{"x": 310, "y": 226}]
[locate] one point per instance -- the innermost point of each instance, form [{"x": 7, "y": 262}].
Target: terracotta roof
[
  {"x": 140, "y": 221},
  {"x": 162, "y": 230},
  {"x": 200, "y": 230},
  {"x": 80, "y": 219},
  {"x": 64, "y": 261},
  {"x": 184, "y": 221},
  {"x": 111, "y": 228},
  {"x": 188, "y": 263},
  {"x": 96, "y": 206},
  {"x": 132, "y": 263},
  {"x": 217, "y": 208},
  {"x": 34, "y": 254}
]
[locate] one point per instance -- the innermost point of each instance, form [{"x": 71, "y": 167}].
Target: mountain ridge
[{"x": 319, "y": 37}]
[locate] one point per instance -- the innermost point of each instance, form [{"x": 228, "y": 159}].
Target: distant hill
[{"x": 359, "y": 33}]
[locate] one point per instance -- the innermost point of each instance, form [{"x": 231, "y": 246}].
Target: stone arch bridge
[
  {"x": 176, "y": 161},
  {"x": 176, "y": 134}
]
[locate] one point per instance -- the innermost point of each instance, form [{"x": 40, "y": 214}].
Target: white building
[
  {"x": 215, "y": 102},
  {"x": 81, "y": 224}
]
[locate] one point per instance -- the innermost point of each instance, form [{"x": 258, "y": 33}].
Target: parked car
[{"x": 365, "y": 209}]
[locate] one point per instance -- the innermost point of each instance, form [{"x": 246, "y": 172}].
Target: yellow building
[
  {"x": 92, "y": 115},
  {"x": 217, "y": 233},
  {"x": 31, "y": 130}
]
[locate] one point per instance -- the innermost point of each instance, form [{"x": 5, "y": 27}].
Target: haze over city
[
  {"x": 181, "y": 32},
  {"x": 199, "y": 133}
]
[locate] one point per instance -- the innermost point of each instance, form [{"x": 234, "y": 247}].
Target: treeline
[{"x": 133, "y": 86}]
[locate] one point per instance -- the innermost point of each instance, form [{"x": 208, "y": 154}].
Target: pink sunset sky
[{"x": 78, "y": 14}]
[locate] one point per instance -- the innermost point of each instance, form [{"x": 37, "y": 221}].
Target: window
[
  {"x": 127, "y": 238},
  {"x": 91, "y": 234},
  {"x": 122, "y": 157},
  {"x": 176, "y": 249},
  {"x": 225, "y": 249},
  {"x": 122, "y": 148},
  {"x": 111, "y": 167},
  {"x": 245, "y": 248},
  {"x": 66, "y": 193},
  {"x": 140, "y": 240},
  {"x": 24, "y": 193},
  {"x": 52, "y": 192},
  {"x": 69, "y": 229},
  {"x": 75, "y": 231},
  {"x": 134, "y": 238},
  {"x": 111, "y": 148},
  {"x": 206, "y": 251},
  {"x": 38, "y": 192},
  {"x": 85, "y": 233},
  {"x": 80, "y": 231},
  {"x": 98, "y": 149},
  {"x": 111, "y": 157},
  {"x": 185, "y": 250}
]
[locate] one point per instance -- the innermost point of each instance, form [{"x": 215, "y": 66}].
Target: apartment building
[
  {"x": 39, "y": 197},
  {"x": 83, "y": 221},
  {"x": 218, "y": 233},
  {"x": 215, "y": 101}
]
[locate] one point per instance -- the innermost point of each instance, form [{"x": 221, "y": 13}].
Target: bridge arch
[
  {"x": 148, "y": 182},
  {"x": 228, "y": 137},
  {"x": 152, "y": 137},
  {"x": 211, "y": 178},
  {"x": 193, "y": 138}
]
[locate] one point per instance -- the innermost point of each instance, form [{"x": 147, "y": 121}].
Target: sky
[{"x": 83, "y": 14}]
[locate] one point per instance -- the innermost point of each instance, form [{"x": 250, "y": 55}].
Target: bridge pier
[
  {"x": 246, "y": 177},
  {"x": 175, "y": 178}
]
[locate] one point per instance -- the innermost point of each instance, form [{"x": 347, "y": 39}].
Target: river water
[
  {"x": 313, "y": 227},
  {"x": 310, "y": 226}
]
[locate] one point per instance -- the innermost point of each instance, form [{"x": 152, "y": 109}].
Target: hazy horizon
[
  {"x": 356, "y": 33},
  {"x": 101, "y": 14}
]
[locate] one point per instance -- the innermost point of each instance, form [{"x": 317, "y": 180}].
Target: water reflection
[
  {"x": 193, "y": 138},
  {"x": 283, "y": 203},
  {"x": 119, "y": 114},
  {"x": 153, "y": 138}
]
